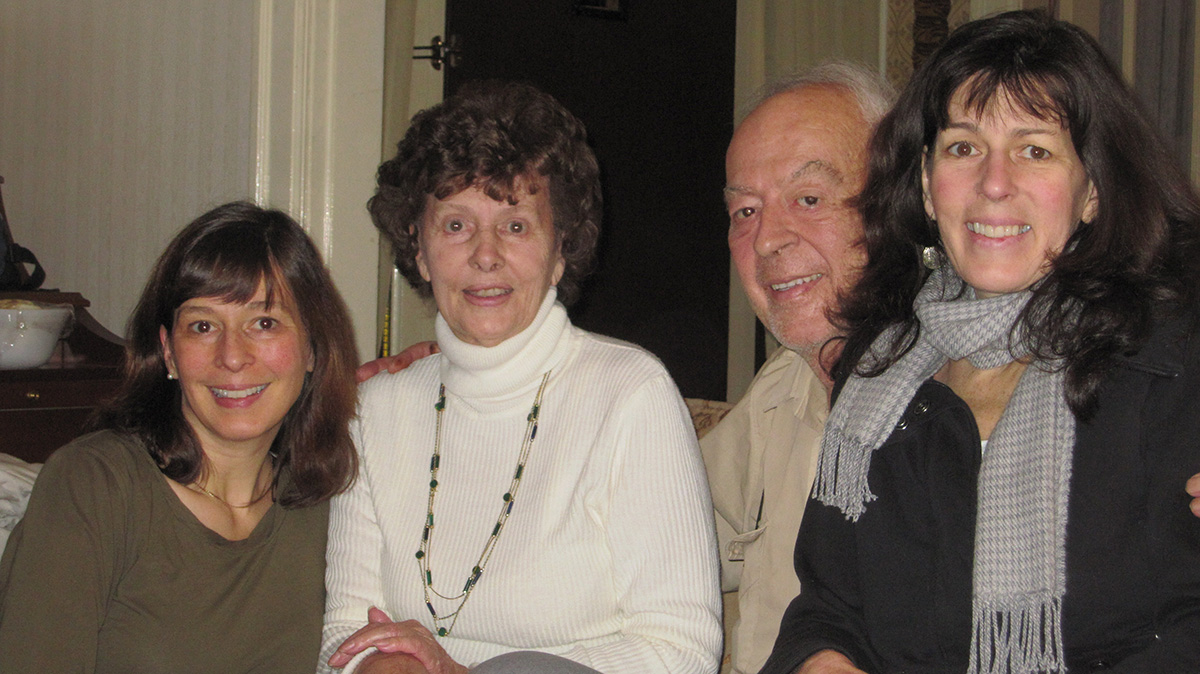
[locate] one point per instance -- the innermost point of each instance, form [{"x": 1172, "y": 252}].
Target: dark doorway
[{"x": 653, "y": 82}]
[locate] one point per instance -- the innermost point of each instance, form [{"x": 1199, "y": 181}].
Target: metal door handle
[{"x": 447, "y": 51}]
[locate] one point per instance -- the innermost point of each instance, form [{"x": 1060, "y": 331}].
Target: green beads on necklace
[{"x": 509, "y": 498}]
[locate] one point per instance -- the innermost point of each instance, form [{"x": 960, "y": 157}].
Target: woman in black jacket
[{"x": 1000, "y": 486}]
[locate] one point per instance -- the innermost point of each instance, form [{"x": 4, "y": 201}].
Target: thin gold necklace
[
  {"x": 256, "y": 499},
  {"x": 233, "y": 505},
  {"x": 508, "y": 499}
]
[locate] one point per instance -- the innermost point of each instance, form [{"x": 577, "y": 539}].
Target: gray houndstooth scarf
[{"x": 1020, "y": 533}]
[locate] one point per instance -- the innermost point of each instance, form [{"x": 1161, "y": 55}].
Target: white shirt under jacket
[{"x": 609, "y": 557}]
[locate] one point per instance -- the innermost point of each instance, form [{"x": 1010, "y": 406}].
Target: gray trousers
[{"x": 530, "y": 662}]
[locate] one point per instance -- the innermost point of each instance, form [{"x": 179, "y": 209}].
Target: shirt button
[{"x": 737, "y": 551}]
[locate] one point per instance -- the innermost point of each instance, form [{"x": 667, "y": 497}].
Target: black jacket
[{"x": 893, "y": 591}]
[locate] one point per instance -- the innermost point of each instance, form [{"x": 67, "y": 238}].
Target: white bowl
[{"x": 28, "y": 336}]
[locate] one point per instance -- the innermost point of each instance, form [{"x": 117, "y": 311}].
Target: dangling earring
[{"x": 931, "y": 257}]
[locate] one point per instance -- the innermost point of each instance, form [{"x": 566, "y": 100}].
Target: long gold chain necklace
[{"x": 423, "y": 554}]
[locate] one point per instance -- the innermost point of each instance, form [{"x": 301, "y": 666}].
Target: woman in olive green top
[{"x": 189, "y": 534}]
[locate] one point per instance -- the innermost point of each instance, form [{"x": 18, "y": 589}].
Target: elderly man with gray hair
[{"x": 792, "y": 169}]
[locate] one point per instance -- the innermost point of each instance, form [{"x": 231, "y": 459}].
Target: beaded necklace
[{"x": 423, "y": 554}]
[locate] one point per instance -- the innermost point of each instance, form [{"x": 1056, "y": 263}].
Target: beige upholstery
[{"x": 706, "y": 413}]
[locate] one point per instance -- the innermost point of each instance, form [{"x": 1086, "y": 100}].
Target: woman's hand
[
  {"x": 397, "y": 362},
  {"x": 390, "y": 663},
  {"x": 828, "y": 662},
  {"x": 409, "y": 637},
  {"x": 1193, "y": 488}
]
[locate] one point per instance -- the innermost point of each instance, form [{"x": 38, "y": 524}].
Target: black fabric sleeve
[{"x": 1169, "y": 444}]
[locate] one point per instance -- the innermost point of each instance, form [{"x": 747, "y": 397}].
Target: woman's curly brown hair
[{"x": 493, "y": 135}]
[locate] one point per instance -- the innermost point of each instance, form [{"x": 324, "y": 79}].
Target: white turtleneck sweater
[{"x": 609, "y": 557}]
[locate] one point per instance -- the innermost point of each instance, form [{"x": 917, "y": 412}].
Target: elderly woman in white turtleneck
[{"x": 531, "y": 499}]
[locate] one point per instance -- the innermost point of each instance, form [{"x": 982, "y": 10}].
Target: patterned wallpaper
[
  {"x": 915, "y": 28},
  {"x": 120, "y": 121}
]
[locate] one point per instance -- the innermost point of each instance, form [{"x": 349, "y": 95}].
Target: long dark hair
[
  {"x": 227, "y": 253},
  {"x": 1136, "y": 259}
]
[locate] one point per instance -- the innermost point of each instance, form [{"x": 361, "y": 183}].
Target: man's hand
[
  {"x": 408, "y": 638},
  {"x": 828, "y": 662},
  {"x": 397, "y": 362}
]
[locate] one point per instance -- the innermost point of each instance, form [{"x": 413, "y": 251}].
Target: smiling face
[
  {"x": 1007, "y": 190},
  {"x": 790, "y": 169},
  {"x": 490, "y": 262},
  {"x": 240, "y": 367}
]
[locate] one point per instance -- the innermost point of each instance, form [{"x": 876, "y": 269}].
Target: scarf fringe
[
  {"x": 845, "y": 457},
  {"x": 1037, "y": 646}
]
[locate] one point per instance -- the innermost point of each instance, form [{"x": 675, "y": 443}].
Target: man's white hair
[{"x": 872, "y": 93}]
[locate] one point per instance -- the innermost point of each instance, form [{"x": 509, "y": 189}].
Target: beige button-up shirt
[{"x": 761, "y": 460}]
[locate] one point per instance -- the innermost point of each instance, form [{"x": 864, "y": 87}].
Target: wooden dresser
[{"x": 43, "y": 408}]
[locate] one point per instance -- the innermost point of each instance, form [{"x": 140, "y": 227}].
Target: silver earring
[
  {"x": 931, "y": 258},
  {"x": 170, "y": 376}
]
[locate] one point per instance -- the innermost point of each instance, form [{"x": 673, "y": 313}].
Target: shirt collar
[{"x": 794, "y": 387}]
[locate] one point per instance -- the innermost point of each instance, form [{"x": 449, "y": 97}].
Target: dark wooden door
[{"x": 654, "y": 85}]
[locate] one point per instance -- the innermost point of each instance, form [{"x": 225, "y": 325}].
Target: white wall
[{"x": 121, "y": 120}]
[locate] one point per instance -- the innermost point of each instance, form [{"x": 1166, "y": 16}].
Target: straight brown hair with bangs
[{"x": 226, "y": 253}]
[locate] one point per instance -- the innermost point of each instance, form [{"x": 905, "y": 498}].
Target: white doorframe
[{"x": 319, "y": 98}]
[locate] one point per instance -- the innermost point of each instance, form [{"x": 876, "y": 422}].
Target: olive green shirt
[{"x": 109, "y": 572}]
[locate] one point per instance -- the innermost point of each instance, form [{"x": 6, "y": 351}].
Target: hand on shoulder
[
  {"x": 1193, "y": 489},
  {"x": 394, "y": 364}
]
